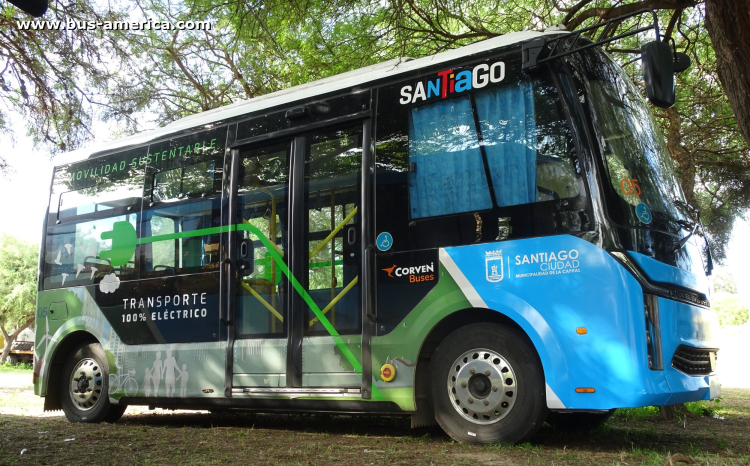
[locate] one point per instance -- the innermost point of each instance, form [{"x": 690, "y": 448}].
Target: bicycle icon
[{"x": 124, "y": 382}]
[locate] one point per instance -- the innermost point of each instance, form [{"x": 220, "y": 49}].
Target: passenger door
[{"x": 295, "y": 203}]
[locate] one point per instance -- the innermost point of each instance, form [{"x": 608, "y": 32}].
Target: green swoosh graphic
[{"x": 131, "y": 242}]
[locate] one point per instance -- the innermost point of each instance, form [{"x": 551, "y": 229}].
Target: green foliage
[
  {"x": 63, "y": 80},
  {"x": 18, "y": 265},
  {"x": 724, "y": 283},
  {"x": 730, "y": 310},
  {"x": 636, "y": 414},
  {"x": 20, "y": 367},
  {"x": 704, "y": 408}
]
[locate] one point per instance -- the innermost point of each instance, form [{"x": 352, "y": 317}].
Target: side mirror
[
  {"x": 35, "y": 8},
  {"x": 681, "y": 62},
  {"x": 658, "y": 73}
]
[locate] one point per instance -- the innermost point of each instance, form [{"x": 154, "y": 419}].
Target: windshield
[{"x": 639, "y": 169}]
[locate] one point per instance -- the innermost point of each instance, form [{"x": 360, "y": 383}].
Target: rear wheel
[
  {"x": 487, "y": 385},
  {"x": 84, "y": 386}
]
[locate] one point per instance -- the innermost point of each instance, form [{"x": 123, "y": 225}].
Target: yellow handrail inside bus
[
  {"x": 263, "y": 301},
  {"x": 333, "y": 233},
  {"x": 336, "y": 299}
]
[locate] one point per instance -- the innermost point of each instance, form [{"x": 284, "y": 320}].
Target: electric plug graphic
[{"x": 124, "y": 240}]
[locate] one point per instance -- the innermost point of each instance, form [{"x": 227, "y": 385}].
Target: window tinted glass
[
  {"x": 476, "y": 153},
  {"x": 183, "y": 187},
  {"x": 263, "y": 186},
  {"x": 332, "y": 172},
  {"x": 179, "y": 238},
  {"x": 187, "y": 181},
  {"x": 446, "y": 172},
  {"x": 525, "y": 152},
  {"x": 93, "y": 221},
  {"x": 77, "y": 255}
]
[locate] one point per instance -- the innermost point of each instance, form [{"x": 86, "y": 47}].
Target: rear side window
[{"x": 94, "y": 213}]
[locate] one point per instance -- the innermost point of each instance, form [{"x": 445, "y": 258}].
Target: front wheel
[
  {"x": 84, "y": 387},
  {"x": 487, "y": 385}
]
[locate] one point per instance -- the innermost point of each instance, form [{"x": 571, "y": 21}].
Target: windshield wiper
[
  {"x": 692, "y": 228},
  {"x": 684, "y": 240}
]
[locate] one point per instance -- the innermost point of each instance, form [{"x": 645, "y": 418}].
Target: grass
[{"x": 19, "y": 368}]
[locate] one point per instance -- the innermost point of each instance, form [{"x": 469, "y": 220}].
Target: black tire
[
  {"x": 501, "y": 359},
  {"x": 578, "y": 421},
  {"x": 114, "y": 413},
  {"x": 90, "y": 401}
]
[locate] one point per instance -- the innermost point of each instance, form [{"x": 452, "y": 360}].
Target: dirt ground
[{"x": 715, "y": 433}]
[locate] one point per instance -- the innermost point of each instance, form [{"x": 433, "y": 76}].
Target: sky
[{"x": 25, "y": 194}]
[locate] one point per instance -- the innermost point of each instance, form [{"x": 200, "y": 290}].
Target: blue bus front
[{"x": 654, "y": 234}]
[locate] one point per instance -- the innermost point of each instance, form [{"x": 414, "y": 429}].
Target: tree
[
  {"x": 724, "y": 283},
  {"x": 256, "y": 47},
  {"x": 728, "y": 25},
  {"x": 727, "y": 302},
  {"x": 261, "y": 47},
  {"x": 62, "y": 80},
  {"x": 18, "y": 266}
]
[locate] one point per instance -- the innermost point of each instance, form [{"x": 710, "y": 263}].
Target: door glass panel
[
  {"x": 332, "y": 173},
  {"x": 262, "y": 202}
]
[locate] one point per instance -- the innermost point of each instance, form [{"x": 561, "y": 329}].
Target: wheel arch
[
  {"x": 472, "y": 315},
  {"x": 62, "y": 352}
]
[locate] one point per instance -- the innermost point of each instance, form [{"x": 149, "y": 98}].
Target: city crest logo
[{"x": 493, "y": 265}]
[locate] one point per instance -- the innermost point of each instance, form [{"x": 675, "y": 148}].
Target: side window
[
  {"x": 183, "y": 191},
  {"x": 177, "y": 238},
  {"x": 494, "y": 146},
  {"x": 91, "y": 237},
  {"x": 527, "y": 144},
  {"x": 184, "y": 182},
  {"x": 446, "y": 170}
]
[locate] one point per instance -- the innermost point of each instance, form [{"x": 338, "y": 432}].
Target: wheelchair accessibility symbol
[
  {"x": 643, "y": 213},
  {"x": 384, "y": 241}
]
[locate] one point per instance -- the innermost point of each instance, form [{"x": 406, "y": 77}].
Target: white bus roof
[{"x": 347, "y": 80}]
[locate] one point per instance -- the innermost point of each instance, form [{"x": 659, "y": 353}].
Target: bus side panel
[
  {"x": 401, "y": 346},
  {"x": 553, "y": 286},
  {"x": 166, "y": 370},
  {"x": 52, "y": 327}
]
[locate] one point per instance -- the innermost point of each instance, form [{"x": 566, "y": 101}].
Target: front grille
[{"x": 694, "y": 361}]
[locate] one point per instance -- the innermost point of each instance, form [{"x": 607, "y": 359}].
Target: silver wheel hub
[
  {"x": 86, "y": 384},
  {"x": 482, "y": 386}
]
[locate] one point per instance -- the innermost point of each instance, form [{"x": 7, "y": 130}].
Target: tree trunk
[
  {"x": 680, "y": 154},
  {"x": 728, "y": 25},
  {"x": 9, "y": 339},
  {"x": 673, "y": 411}
]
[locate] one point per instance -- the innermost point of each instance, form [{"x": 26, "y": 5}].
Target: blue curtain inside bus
[
  {"x": 508, "y": 125},
  {"x": 447, "y": 175}
]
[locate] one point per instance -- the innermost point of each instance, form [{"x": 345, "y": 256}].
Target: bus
[{"x": 470, "y": 238}]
